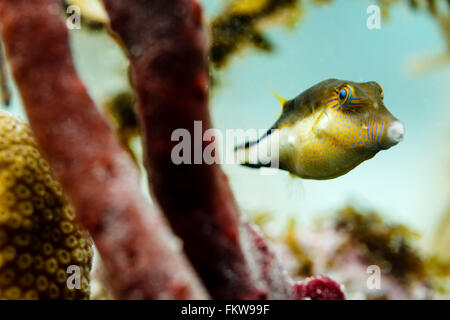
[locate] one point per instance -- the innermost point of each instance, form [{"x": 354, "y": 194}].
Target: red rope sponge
[{"x": 166, "y": 44}]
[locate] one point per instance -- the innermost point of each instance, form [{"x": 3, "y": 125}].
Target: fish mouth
[{"x": 394, "y": 134}]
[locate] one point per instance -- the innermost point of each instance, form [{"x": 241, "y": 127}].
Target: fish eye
[
  {"x": 381, "y": 93},
  {"x": 344, "y": 95},
  {"x": 380, "y": 90}
]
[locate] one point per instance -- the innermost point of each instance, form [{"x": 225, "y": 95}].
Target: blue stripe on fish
[{"x": 381, "y": 132}]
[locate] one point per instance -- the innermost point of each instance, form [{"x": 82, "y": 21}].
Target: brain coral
[{"x": 39, "y": 237}]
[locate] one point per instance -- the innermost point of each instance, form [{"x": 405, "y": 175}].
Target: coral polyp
[{"x": 39, "y": 237}]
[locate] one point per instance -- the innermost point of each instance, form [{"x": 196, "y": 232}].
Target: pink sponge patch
[{"x": 318, "y": 288}]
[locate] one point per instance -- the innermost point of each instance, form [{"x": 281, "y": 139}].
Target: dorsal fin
[{"x": 282, "y": 100}]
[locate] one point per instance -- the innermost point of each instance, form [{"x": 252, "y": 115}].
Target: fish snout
[{"x": 394, "y": 134}]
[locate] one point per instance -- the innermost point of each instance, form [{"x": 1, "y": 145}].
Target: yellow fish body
[{"x": 326, "y": 131}]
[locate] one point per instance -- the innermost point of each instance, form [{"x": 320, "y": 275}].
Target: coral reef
[
  {"x": 39, "y": 237},
  {"x": 346, "y": 246},
  {"x": 382, "y": 244},
  {"x": 222, "y": 255},
  {"x": 142, "y": 257}
]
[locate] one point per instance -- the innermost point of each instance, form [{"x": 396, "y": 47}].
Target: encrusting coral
[{"x": 39, "y": 237}]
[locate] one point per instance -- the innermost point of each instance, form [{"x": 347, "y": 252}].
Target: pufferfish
[{"x": 326, "y": 131}]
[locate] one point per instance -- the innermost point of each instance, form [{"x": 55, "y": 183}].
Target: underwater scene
[{"x": 225, "y": 149}]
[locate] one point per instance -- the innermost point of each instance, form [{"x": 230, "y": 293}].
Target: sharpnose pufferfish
[{"x": 326, "y": 131}]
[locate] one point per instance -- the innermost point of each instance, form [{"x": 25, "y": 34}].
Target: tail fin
[{"x": 256, "y": 154}]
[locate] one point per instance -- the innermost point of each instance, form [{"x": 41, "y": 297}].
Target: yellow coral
[{"x": 39, "y": 238}]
